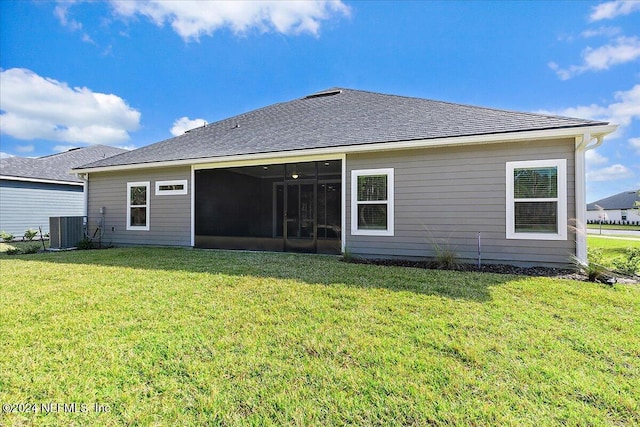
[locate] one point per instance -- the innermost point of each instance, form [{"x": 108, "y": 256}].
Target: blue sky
[{"x": 133, "y": 73}]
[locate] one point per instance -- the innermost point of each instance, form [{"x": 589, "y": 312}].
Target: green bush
[
  {"x": 31, "y": 249},
  {"x": 85, "y": 244},
  {"x": 7, "y": 237},
  {"x": 594, "y": 268},
  {"x": 13, "y": 251},
  {"x": 30, "y": 234},
  {"x": 630, "y": 263}
]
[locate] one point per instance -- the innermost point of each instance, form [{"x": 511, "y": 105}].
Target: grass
[
  {"x": 195, "y": 337},
  {"x": 614, "y": 227},
  {"x": 612, "y": 247},
  {"x": 4, "y": 247}
]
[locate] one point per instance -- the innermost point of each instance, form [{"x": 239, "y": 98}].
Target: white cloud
[
  {"x": 184, "y": 124},
  {"x": 602, "y": 31},
  {"x": 622, "y": 112},
  {"x": 193, "y": 19},
  {"x": 25, "y": 148},
  {"x": 36, "y": 107},
  {"x": 61, "y": 11},
  {"x": 594, "y": 158},
  {"x": 622, "y": 50},
  {"x": 612, "y": 9},
  {"x": 610, "y": 173},
  {"x": 4, "y": 155},
  {"x": 635, "y": 144}
]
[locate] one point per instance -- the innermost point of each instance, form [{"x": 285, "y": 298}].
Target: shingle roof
[
  {"x": 55, "y": 167},
  {"x": 624, "y": 200},
  {"x": 335, "y": 118}
]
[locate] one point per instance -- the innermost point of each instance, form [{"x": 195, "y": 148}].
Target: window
[
  {"x": 623, "y": 214},
  {"x": 138, "y": 206},
  {"x": 171, "y": 188},
  {"x": 372, "y": 202},
  {"x": 537, "y": 200}
]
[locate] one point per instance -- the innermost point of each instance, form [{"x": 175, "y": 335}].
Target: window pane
[
  {"x": 372, "y": 217},
  {"x": 535, "y": 183},
  {"x": 138, "y": 217},
  {"x": 372, "y": 188},
  {"x": 536, "y": 217},
  {"x": 139, "y": 195},
  {"x": 172, "y": 187}
]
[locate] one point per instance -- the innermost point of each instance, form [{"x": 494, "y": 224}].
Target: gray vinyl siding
[
  {"x": 169, "y": 215},
  {"x": 28, "y": 205},
  {"x": 449, "y": 195}
]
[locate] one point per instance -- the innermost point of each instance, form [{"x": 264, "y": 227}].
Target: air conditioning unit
[{"x": 65, "y": 231}]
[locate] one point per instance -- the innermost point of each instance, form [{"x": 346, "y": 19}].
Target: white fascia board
[
  {"x": 334, "y": 153},
  {"x": 43, "y": 181}
]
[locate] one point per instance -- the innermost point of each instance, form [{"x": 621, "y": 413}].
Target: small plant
[
  {"x": 593, "y": 268},
  {"x": 7, "y": 237},
  {"x": 629, "y": 264},
  {"x": 30, "y": 234},
  {"x": 446, "y": 258},
  {"x": 13, "y": 251},
  {"x": 85, "y": 244},
  {"x": 31, "y": 249},
  {"x": 347, "y": 255}
]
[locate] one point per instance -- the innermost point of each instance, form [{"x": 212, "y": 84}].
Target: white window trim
[
  {"x": 129, "y": 206},
  {"x": 182, "y": 182},
  {"x": 561, "y": 165},
  {"x": 389, "y": 172}
]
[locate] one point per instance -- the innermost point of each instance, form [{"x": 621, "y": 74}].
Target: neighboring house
[
  {"x": 618, "y": 208},
  {"x": 377, "y": 175},
  {"x": 34, "y": 189}
]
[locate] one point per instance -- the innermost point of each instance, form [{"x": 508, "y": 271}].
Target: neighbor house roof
[
  {"x": 338, "y": 118},
  {"x": 624, "y": 200},
  {"x": 56, "y": 167}
]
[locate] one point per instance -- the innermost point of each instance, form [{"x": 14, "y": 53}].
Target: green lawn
[
  {"x": 612, "y": 247},
  {"x": 614, "y": 227},
  {"x": 195, "y": 337}
]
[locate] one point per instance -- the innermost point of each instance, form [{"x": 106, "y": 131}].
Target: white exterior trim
[
  {"x": 332, "y": 152},
  {"x": 343, "y": 212},
  {"x": 147, "y": 206},
  {"x": 389, "y": 172},
  {"x": 44, "y": 181},
  {"x": 183, "y": 182},
  {"x": 193, "y": 206},
  {"x": 561, "y": 199}
]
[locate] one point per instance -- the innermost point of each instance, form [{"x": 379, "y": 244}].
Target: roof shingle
[
  {"x": 334, "y": 118},
  {"x": 56, "y": 167},
  {"x": 624, "y": 200}
]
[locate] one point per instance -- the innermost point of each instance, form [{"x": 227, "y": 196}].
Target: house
[
  {"x": 619, "y": 208},
  {"x": 34, "y": 189},
  {"x": 378, "y": 175}
]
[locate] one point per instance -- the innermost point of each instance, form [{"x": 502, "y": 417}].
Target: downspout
[
  {"x": 85, "y": 193},
  {"x": 583, "y": 144},
  {"x": 85, "y": 189}
]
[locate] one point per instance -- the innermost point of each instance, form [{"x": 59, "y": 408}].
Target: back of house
[{"x": 375, "y": 175}]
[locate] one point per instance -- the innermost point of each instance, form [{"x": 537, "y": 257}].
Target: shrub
[
  {"x": 593, "y": 268},
  {"x": 13, "y": 251},
  {"x": 85, "y": 244},
  {"x": 30, "y": 234},
  {"x": 31, "y": 249},
  {"x": 7, "y": 237},
  {"x": 630, "y": 263}
]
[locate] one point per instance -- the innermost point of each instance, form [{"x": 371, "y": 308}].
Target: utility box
[{"x": 65, "y": 231}]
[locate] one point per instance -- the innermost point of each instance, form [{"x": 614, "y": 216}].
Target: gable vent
[{"x": 330, "y": 92}]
